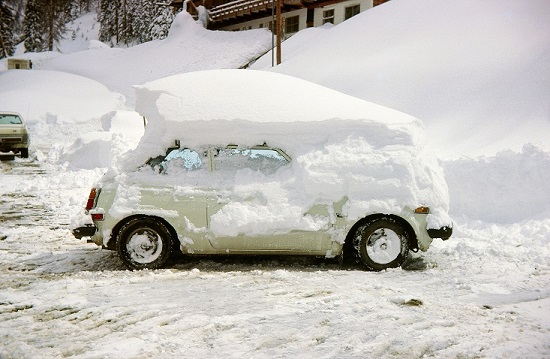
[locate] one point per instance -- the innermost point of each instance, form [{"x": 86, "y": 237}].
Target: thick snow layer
[
  {"x": 71, "y": 98},
  {"x": 256, "y": 102},
  {"x": 475, "y": 72}
]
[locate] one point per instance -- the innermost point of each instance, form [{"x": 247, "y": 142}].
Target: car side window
[
  {"x": 177, "y": 160},
  {"x": 266, "y": 160},
  {"x": 181, "y": 159}
]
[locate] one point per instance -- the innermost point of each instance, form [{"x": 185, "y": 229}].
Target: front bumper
[
  {"x": 86, "y": 231},
  {"x": 444, "y": 232}
]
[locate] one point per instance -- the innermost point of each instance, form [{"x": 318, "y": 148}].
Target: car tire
[
  {"x": 144, "y": 243},
  {"x": 380, "y": 243},
  {"x": 24, "y": 152}
]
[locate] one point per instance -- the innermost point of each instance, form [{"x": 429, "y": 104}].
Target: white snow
[
  {"x": 189, "y": 47},
  {"x": 476, "y": 74}
]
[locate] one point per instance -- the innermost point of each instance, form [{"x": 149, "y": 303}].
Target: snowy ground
[{"x": 482, "y": 294}]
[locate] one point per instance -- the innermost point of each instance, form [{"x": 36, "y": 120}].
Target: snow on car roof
[
  {"x": 248, "y": 107},
  {"x": 257, "y": 96}
]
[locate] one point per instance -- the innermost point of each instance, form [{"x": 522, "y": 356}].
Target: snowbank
[
  {"x": 507, "y": 188},
  {"x": 189, "y": 47},
  {"x": 121, "y": 131},
  {"x": 56, "y": 97},
  {"x": 77, "y": 120},
  {"x": 475, "y": 72}
]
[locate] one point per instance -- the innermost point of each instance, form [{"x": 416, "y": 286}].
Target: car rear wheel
[
  {"x": 24, "y": 153},
  {"x": 380, "y": 243},
  {"x": 144, "y": 243}
]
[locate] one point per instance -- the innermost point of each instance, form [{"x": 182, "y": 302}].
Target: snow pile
[
  {"x": 185, "y": 101},
  {"x": 475, "y": 72},
  {"x": 507, "y": 188},
  {"x": 189, "y": 47},
  {"x": 74, "y": 119},
  {"x": 121, "y": 131},
  {"x": 341, "y": 146},
  {"x": 70, "y": 98}
]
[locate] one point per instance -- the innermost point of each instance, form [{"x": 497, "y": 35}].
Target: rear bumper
[
  {"x": 8, "y": 142},
  {"x": 443, "y": 232},
  {"x": 86, "y": 231}
]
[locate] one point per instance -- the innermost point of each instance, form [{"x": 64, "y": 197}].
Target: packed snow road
[{"x": 483, "y": 294}]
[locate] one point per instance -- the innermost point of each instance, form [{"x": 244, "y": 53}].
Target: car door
[
  {"x": 179, "y": 192},
  {"x": 263, "y": 208}
]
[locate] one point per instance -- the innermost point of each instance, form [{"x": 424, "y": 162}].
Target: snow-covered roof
[{"x": 257, "y": 96}]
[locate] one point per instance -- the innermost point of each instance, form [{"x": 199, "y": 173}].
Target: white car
[
  {"x": 14, "y": 135},
  {"x": 249, "y": 162}
]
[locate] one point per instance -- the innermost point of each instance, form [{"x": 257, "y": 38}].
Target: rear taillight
[
  {"x": 97, "y": 216},
  {"x": 91, "y": 199}
]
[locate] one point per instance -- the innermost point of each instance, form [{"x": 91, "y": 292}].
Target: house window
[
  {"x": 352, "y": 11},
  {"x": 292, "y": 24},
  {"x": 328, "y": 16}
]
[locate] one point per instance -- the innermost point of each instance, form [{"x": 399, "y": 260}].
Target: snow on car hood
[{"x": 340, "y": 146}]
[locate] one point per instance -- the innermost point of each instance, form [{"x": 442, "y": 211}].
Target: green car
[{"x": 14, "y": 135}]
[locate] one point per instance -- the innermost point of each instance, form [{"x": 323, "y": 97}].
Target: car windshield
[{"x": 9, "y": 119}]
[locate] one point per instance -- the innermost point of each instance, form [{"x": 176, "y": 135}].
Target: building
[
  {"x": 19, "y": 64},
  {"x": 296, "y": 14}
]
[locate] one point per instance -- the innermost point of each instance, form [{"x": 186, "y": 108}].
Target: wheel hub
[
  {"x": 383, "y": 246},
  {"x": 144, "y": 246}
]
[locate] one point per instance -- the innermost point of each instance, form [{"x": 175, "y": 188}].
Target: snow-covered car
[
  {"x": 14, "y": 135},
  {"x": 250, "y": 162}
]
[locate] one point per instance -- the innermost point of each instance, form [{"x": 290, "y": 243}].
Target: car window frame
[{"x": 209, "y": 154}]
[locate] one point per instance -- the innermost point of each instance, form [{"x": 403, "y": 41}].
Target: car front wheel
[
  {"x": 144, "y": 243},
  {"x": 380, "y": 243}
]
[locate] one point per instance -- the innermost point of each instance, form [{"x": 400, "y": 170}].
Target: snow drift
[
  {"x": 189, "y": 47},
  {"x": 80, "y": 123},
  {"x": 475, "y": 72}
]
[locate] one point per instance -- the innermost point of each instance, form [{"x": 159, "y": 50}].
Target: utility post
[{"x": 279, "y": 23}]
